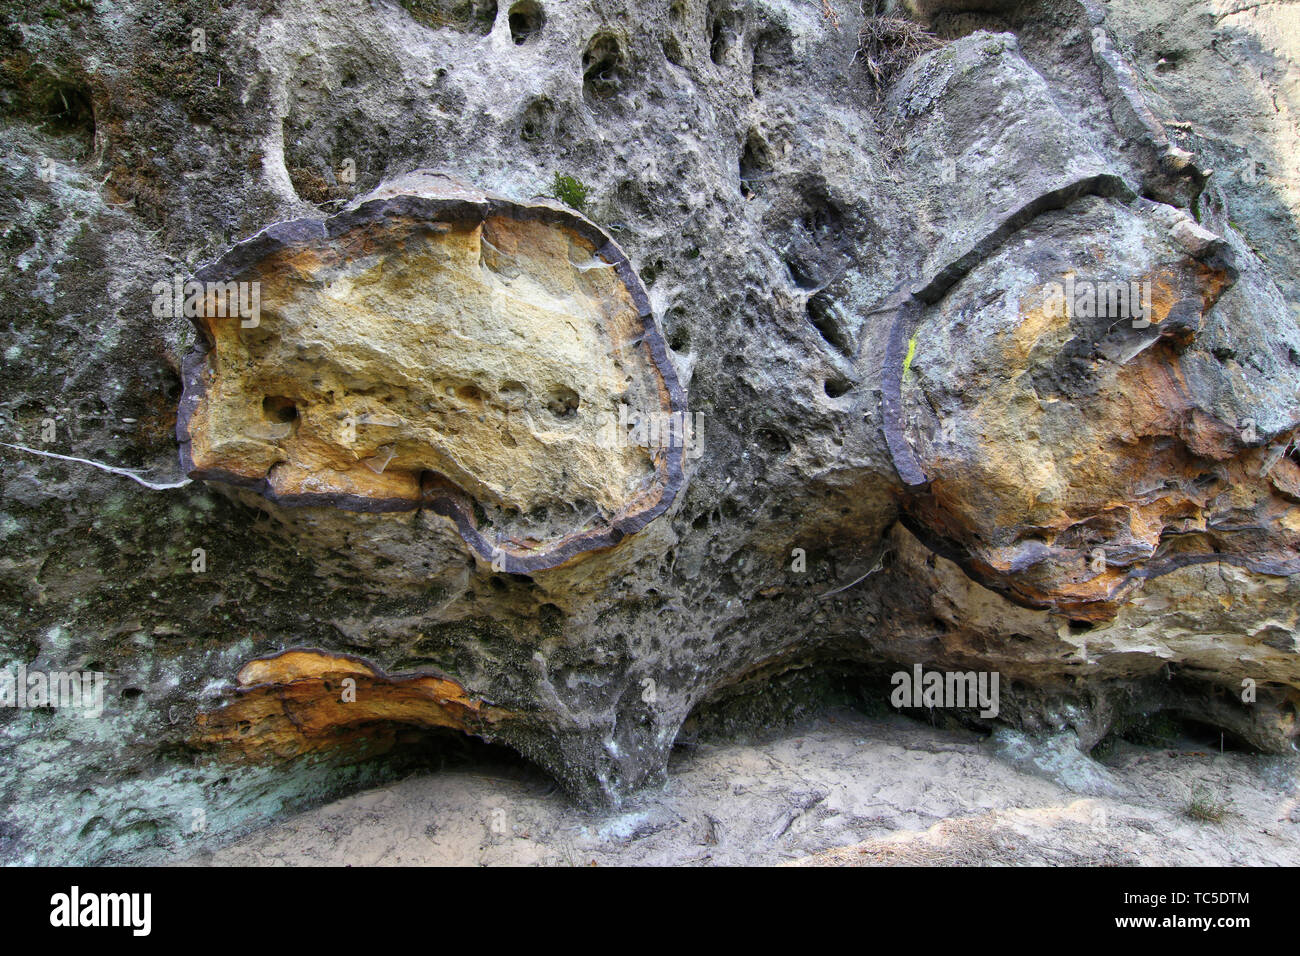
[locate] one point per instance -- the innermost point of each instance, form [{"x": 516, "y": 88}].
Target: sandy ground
[{"x": 841, "y": 790}]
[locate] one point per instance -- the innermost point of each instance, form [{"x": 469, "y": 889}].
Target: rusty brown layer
[{"x": 298, "y": 701}]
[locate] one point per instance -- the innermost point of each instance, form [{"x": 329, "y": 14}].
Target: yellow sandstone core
[{"x": 496, "y": 354}]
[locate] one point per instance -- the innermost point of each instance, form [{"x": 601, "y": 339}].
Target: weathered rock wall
[{"x": 910, "y": 449}]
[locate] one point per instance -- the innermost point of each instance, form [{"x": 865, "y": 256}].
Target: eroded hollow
[
  {"x": 755, "y": 163},
  {"x": 724, "y": 31},
  {"x": 279, "y": 409},
  {"x": 62, "y": 105},
  {"x": 467, "y": 16},
  {"x": 821, "y": 313},
  {"x": 526, "y": 21},
  {"x": 603, "y": 65}
]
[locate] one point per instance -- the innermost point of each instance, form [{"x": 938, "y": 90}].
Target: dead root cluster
[{"x": 887, "y": 45}]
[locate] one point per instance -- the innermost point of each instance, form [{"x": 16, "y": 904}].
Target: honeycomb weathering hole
[
  {"x": 436, "y": 346},
  {"x": 603, "y": 65},
  {"x": 526, "y": 20}
]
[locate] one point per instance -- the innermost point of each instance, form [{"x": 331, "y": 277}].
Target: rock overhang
[{"x": 436, "y": 346}]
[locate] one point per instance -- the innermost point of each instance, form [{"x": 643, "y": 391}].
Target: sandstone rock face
[
  {"x": 1091, "y": 455},
  {"x": 930, "y": 421}
]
